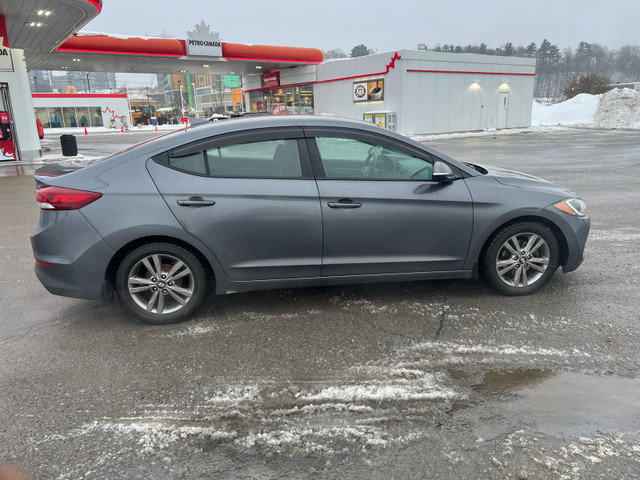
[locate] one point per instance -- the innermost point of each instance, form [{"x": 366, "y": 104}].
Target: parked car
[
  {"x": 280, "y": 202},
  {"x": 216, "y": 117}
]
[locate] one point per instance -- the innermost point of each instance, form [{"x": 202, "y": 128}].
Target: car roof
[{"x": 212, "y": 129}]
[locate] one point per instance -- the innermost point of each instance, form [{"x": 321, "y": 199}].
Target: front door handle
[
  {"x": 196, "y": 202},
  {"x": 344, "y": 203}
]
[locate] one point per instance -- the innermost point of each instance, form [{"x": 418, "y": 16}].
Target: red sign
[{"x": 271, "y": 79}]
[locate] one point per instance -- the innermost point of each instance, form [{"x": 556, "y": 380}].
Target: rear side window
[
  {"x": 193, "y": 163},
  {"x": 269, "y": 158}
]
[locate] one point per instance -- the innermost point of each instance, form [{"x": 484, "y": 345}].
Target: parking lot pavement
[{"x": 428, "y": 379}]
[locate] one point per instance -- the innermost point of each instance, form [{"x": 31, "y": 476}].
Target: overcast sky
[{"x": 383, "y": 26}]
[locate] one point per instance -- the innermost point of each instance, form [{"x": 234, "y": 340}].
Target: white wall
[
  {"x": 432, "y": 102},
  {"x": 336, "y": 97},
  {"x": 451, "y": 102}
]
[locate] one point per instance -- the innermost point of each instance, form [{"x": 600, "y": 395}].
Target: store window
[
  {"x": 96, "y": 117},
  {"x": 42, "y": 114},
  {"x": 69, "y": 116},
  {"x": 83, "y": 116},
  {"x": 283, "y": 101},
  {"x": 257, "y": 101},
  {"x": 55, "y": 117},
  {"x": 299, "y": 99}
]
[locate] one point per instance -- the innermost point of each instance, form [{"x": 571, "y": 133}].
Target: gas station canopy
[{"x": 49, "y": 33}]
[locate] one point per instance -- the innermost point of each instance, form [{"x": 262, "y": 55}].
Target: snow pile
[
  {"x": 579, "y": 110},
  {"x": 619, "y": 108}
]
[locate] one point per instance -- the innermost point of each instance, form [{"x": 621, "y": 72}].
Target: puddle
[
  {"x": 555, "y": 403},
  {"x": 15, "y": 169}
]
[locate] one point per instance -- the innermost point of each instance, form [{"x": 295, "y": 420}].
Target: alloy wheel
[
  {"x": 522, "y": 259},
  {"x": 160, "y": 284}
]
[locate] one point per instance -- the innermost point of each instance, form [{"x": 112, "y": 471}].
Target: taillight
[{"x": 58, "y": 198}]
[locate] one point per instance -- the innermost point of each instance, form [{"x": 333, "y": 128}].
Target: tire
[
  {"x": 153, "y": 298},
  {"x": 525, "y": 269}
]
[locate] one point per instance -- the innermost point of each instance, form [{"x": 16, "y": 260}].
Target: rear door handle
[
  {"x": 196, "y": 202},
  {"x": 344, "y": 203}
]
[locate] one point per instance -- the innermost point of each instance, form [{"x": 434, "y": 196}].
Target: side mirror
[{"x": 442, "y": 172}]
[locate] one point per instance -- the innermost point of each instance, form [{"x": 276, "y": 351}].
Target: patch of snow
[
  {"x": 427, "y": 389},
  {"x": 455, "y": 348}
]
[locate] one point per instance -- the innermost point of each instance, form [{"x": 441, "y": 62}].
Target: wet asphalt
[{"x": 441, "y": 379}]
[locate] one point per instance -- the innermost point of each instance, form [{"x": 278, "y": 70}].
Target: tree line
[{"x": 556, "y": 70}]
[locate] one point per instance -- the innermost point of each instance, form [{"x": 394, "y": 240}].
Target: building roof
[{"x": 54, "y": 41}]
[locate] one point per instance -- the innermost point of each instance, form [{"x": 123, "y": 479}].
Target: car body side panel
[
  {"x": 496, "y": 204},
  {"x": 130, "y": 208},
  {"x": 402, "y": 226},
  {"x": 259, "y": 228}
]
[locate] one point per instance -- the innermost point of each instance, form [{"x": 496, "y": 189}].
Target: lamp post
[{"x": 181, "y": 102}]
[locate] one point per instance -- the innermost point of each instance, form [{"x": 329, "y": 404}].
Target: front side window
[{"x": 350, "y": 158}]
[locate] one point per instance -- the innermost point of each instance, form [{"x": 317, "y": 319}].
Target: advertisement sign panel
[
  {"x": 231, "y": 81},
  {"x": 371, "y": 90},
  {"x": 271, "y": 79},
  {"x": 380, "y": 119}
]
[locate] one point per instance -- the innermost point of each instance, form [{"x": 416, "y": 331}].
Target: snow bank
[
  {"x": 619, "y": 108},
  {"x": 579, "y": 110}
]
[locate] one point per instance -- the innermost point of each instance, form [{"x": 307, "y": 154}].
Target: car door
[
  {"x": 382, "y": 211},
  {"x": 251, "y": 198}
]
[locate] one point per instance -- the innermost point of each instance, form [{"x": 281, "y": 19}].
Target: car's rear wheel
[
  {"x": 161, "y": 283},
  {"x": 521, "y": 258}
]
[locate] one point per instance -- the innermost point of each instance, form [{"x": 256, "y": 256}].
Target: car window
[
  {"x": 350, "y": 158},
  {"x": 269, "y": 158},
  {"x": 192, "y": 163}
]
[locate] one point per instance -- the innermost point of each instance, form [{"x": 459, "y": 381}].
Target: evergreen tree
[{"x": 360, "y": 51}]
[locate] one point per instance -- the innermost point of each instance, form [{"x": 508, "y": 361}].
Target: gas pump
[{"x": 6, "y": 137}]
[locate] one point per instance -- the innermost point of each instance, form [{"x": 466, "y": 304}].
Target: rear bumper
[{"x": 77, "y": 255}]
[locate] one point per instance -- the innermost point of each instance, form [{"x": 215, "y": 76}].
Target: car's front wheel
[
  {"x": 521, "y": 258},
  {"x": 161, "y": 283}
]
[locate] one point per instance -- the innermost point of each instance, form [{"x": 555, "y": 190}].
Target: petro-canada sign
[
  {"x": 6, "y": 63},
  {"x": 202, "y": 42}
]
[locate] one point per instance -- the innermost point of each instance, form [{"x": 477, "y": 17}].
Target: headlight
[{"x": 572, "y": 206}]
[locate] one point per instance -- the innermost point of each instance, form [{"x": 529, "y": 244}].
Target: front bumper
[{"x": 575, "y": 231}]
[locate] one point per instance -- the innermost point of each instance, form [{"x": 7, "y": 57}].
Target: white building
[
  {"x": 64, "y": 110},
  {"x": 429, "y": 92}
]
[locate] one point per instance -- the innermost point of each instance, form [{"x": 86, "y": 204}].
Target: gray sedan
[{"x": 280, "y": 202}]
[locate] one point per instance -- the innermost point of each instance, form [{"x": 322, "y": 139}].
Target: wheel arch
[
  {"x": 123, "y": 251},
  {"x": 562, "y": 241}
]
